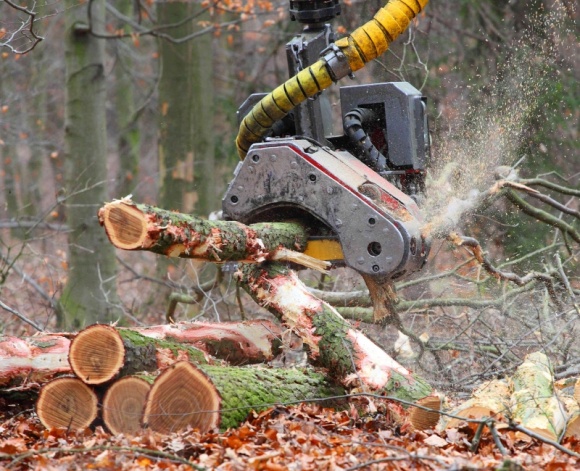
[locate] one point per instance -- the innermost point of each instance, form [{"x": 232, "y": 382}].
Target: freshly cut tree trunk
[
  {"x": 207, "y": 397},
  {"x": 67, "y": 402},
  {"x": 100, "y": 353},
  {"x": 533, "y": 401},
  {"x": 132, "y": 226},
  {"x": 350, "y": 356},
  {"x": 25, "y": 363},
  {"x": 124, "y": 404},
  {"x": 491, "y": 399}
]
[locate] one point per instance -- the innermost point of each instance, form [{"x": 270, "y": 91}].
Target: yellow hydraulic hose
[{"x": 363, "y": 45}]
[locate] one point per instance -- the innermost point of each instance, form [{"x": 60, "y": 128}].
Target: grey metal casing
[
  {"x": 284, "y": 175},
  {"x": 407, "y": 133}
]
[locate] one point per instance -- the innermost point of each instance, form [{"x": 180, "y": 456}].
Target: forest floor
[{"x": 305, "y": 437}]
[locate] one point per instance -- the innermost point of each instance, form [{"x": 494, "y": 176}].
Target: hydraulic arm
[{"x": 355, "y": 184}]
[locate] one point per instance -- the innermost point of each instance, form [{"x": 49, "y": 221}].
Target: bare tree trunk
[
  {"x": 90, "y": 293},
  {"x": 186, "y": 135},
  {"x": 127, "y": 126}
]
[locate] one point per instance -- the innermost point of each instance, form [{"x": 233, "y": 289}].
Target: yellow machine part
[
  {"x": 324, "y": 249},
  {"x": 363, "y": 45}
]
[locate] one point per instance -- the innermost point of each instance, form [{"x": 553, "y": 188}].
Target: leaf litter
[{"x": 298, "y": 438}]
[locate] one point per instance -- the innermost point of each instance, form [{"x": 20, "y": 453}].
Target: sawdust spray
[{"x": 468, "y": 153}]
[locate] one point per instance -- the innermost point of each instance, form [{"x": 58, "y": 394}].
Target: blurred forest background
[{"x": 139, "y": 97}]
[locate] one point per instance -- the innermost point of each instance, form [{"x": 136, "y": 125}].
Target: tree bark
[
  {"x": 186, "y": 102},
  {"x": 27, "y": 363},
  {"x": 90, "y": 294},
  {"x": 350, "y": 357},
  {"x": 207, "y": 397},
  {"x": 239, "y": 343},
  {"x": 128, "y": 136}
]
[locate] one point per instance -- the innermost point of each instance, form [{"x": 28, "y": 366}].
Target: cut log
[
  {"x": 66, "y": 402},
  {"x": 534, "y": 404},
  {"x": 210, "y": 396},
  {"x": 182, "y": 396},
  {"x": 350, "y": 356},
  {"x": 422, "y": 419},
  {"x": 124, "y": 404},
  {"x": 491, "y": 399},
  {"x": 97, "y": 354},
  {"x": 100, "y": 353},
  {"x": 132, "y": 226},
  {"x": 27, "y": 363}
]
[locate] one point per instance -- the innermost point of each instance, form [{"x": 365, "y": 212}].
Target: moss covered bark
[
  {"x": 148, "y": 354},
  {"x": 349, "y": 356},
  {"x": 246, "y": 389},
  {"x": 133, "y": 226}
]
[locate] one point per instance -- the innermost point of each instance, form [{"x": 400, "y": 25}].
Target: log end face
[
  {"x": 123, "y": 405},
  {"x": 125, "y": 225},
  {"x": 97, "y": 354},
  {"x": 66, "y": 402},
  {"x": 422, "y": 419},
  {"x": 182, "y": 396}
]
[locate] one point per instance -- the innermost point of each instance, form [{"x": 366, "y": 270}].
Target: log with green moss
[
  {"x": 101, "y": 352},
  {"x": 211, "y": 396},
  {"x": 350, "y": 356},
  {"x": 28, "y": 363},
  {"x": 132, "y": 226}
]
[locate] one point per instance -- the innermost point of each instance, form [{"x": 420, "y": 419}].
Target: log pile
[
  {"x": 176, "y": 386},
  {"x": 28, "y": 363}
]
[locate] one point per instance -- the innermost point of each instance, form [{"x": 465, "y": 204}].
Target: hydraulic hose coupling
[{"x": 336, "y": 62}]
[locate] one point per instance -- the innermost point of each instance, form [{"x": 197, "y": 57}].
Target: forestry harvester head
[{"x": 353, "y": 174}]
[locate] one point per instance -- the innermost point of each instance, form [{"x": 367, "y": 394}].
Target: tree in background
[
  {"x": 128, "y": 135},
  {"x": 90, "y": 293},
  {"x": 186, "y": 143}
]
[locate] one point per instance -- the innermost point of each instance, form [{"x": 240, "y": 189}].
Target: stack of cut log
[
  {"x": 531, "y": 398},
  {"x": 132, "y": 381}
]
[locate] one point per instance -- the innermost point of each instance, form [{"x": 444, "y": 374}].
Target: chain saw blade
[{"x": 325, "y": 249}]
